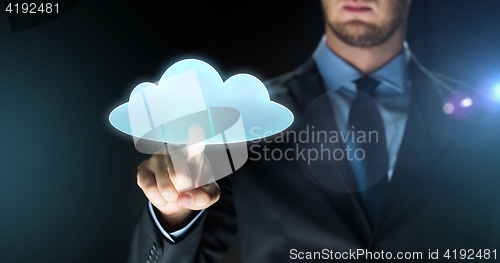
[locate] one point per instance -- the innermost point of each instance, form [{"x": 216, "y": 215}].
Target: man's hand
[{"x": 156, "y": 178}]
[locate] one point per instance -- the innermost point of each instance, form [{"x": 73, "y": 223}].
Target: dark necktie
[{"x": 371, "y": 171}]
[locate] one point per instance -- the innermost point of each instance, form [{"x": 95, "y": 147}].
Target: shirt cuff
[{"x": 175, "y": 234}]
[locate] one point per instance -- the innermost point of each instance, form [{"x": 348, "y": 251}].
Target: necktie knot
[{"x": 366, "y": 85}]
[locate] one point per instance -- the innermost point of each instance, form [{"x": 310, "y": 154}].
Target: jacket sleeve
[{"x": 205, "y": 241}]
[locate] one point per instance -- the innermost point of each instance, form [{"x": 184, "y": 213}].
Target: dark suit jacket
[{"x": 444, "y": 193}]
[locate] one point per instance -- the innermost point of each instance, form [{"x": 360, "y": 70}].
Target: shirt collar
[{"x": 337, "y": 73}]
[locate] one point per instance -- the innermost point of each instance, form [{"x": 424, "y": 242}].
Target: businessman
[{"x": 427, "y": 187}]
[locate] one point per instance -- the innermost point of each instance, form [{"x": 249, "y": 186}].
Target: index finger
[{"x": 179, "y": 173}]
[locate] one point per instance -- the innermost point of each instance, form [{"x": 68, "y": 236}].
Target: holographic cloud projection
[{"x": 190, "y": 109}]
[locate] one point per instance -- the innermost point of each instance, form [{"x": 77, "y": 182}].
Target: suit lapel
[
  {"x": 425, "y": 99},
  {"x": 306, "y": 86}
]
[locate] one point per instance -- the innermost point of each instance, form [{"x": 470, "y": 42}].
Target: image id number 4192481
[
  {"x": 470, "y": 254},
  {"x": 32, "y": 8}
]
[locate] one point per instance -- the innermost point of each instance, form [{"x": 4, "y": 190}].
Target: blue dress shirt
[{"x": 393, "y": 94}]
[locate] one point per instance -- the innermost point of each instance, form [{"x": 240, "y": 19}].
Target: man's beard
[{"x": 372, "y": 35}]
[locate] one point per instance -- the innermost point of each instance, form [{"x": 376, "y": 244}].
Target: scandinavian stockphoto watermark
[{"x": 311, "y": 145}]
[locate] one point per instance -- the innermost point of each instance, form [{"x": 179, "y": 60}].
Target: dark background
[{"x": 67, "y": 187}]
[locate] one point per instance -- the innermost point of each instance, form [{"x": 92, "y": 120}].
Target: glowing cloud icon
[{"x": 192, "y": 94}]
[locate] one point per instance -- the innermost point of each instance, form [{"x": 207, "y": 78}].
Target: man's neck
[{"x": 366, "y": 60}]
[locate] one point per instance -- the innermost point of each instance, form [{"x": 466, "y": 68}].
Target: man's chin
[{"x": 356, "y": 31}]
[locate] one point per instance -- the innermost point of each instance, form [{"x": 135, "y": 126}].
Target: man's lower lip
[{"x": 357, "y": 9}]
